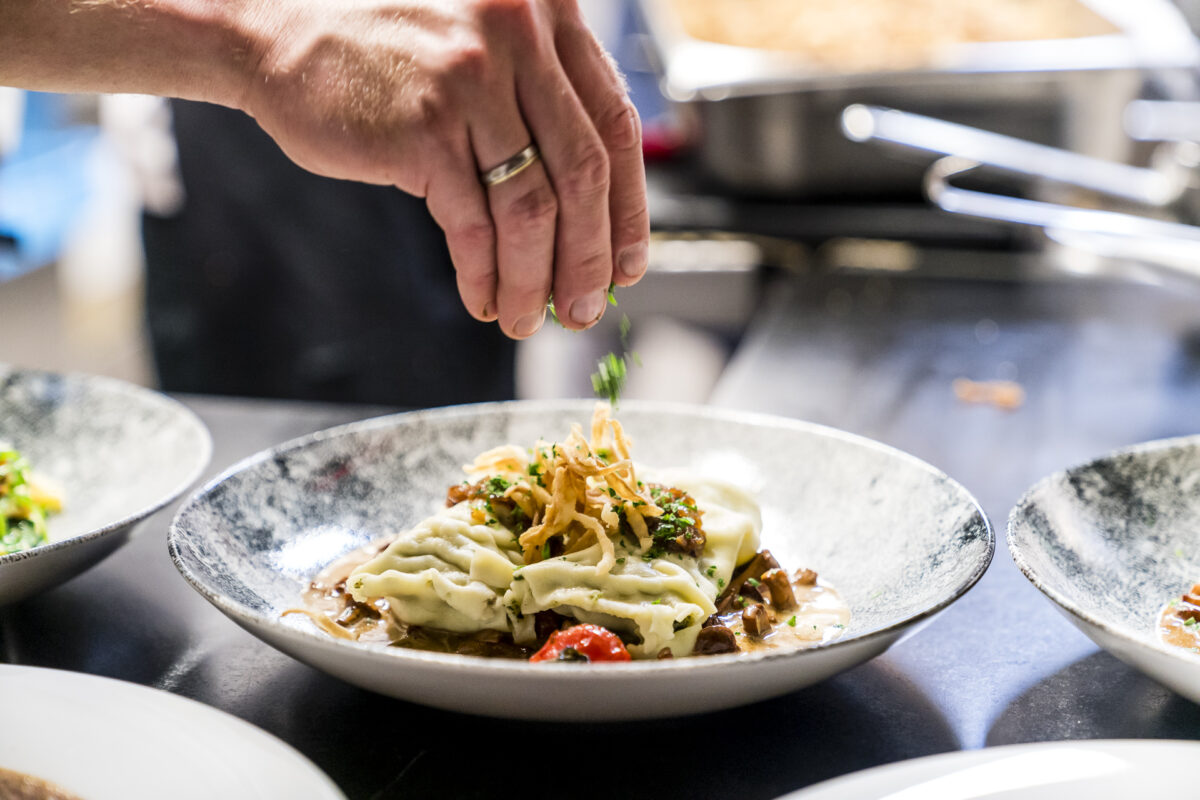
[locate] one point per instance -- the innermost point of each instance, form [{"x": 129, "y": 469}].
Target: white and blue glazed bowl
[
  {"x": 118, "y": 452},
  {"x": 1112, "y": 541},
  {"x": 899, "y": 539}
]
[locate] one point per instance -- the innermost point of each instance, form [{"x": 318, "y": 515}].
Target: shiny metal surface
[{"x": 769, "y": 122}]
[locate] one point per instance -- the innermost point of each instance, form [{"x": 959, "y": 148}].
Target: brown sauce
[
  {"x": 19, "y": 786},
  {"x": 1179, "y": 621},
  {"x": 820, "y": 615}
]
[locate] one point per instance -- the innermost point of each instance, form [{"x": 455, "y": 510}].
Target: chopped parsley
[
  {"x": 753, "y": 582},
  {"x": 545, "y": 550},
  {"x": 711, "y": 571},
  {"x": 792, "y": 622},
  {"x": 496, "y": 486}
]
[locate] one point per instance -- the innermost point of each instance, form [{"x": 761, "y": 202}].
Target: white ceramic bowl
[
  {"x": 117, "y": 451},
  {"x": 1111, "y": 541},
  {"x": 103, "y": 739},
  {"x": 899, "y": 539},
  {"x": 1096, "y": 770}
]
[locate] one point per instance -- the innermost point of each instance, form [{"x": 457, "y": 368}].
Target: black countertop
[{"x": 1102, "y": 365}]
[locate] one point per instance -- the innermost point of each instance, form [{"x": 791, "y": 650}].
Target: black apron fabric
[{"x": 274, "y": 282}]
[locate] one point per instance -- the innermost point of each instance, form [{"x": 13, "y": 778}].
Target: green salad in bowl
[{"x": 25, "y": 503}]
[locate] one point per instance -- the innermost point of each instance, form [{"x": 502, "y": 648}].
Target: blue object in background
[{"x": 43, "y": 184}]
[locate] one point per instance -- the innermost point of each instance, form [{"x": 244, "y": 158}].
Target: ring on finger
[{"x": 510, "y": 167}]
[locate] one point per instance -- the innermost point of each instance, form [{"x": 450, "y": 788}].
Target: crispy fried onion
[{"x": 576, "y": 491}]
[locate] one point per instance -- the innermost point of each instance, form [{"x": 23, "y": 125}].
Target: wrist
[{"x": 225, "y": 44}]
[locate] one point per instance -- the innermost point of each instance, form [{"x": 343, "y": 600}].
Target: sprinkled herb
[
  {"x": 752, "y": 581},
  {"x": 792, "y": 621},
  {"x": 657, "y": 601},
  {"x": 621, "y": 560},
  {"x": 711, "y": 571},
  {"x": 545, "y": 550},
  {"x": 609, "y": 378}
]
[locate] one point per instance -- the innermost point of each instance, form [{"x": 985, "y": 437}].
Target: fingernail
[
  {"x": 489, "y": 311},
  {"x": 588, "y": 308},
  {"x": 528, "y": 325},
  {"x": 634, "y": 260}
]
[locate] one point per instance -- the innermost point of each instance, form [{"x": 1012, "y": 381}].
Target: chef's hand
[{"x": 427, "y": 94}]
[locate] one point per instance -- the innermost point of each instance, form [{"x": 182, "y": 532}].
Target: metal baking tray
[{"x": 768, "y": 122}]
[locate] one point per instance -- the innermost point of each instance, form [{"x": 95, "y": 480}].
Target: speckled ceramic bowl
[
  {"x": 1111, "y": 541},
  {"x": 899, "y": 539},
  {"x": 117, "y": 451}
]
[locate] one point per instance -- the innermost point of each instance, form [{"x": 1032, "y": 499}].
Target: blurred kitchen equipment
[
  {"x": 1163, "y": 194},
  {"x": 768, "y": 120}
]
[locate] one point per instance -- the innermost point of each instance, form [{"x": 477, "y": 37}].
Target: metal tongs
[{"x": 1167, "y": 187}]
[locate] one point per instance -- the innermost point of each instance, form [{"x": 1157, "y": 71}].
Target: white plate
[
  {"x": 117, "y": 451},
  {"x": 1095, "y": 770},
  {"x": 899, "y": 540},
  {"x": 103, "y": 739}
]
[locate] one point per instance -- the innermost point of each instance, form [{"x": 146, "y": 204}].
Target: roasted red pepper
[{"x": 583, "y": 643}]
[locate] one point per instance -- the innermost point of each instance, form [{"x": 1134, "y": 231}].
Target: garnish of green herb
[
  {"x": 609, "y": 378},
  {"x": 792, "y": 621},
  {"x": 545, "y": 550},
  {"x": 711, "y": 571},
  {"x": 22, "y": 516},
  {"x": 752, "y": 581},
  {"x": 496, "y": 486},
  {"x": 611, "y": 371}
]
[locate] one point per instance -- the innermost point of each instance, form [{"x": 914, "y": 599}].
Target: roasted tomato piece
[{"x": 583, "y": 643}]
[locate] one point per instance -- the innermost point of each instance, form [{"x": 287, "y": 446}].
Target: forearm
[{"x": 196, "y": 49}]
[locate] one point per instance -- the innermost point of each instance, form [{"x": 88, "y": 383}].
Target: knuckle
[
  {"x": 587, "y": 174},
  {"x": 620, "y": 126},
  {"x": 476, "y": 284},
  {"x": 477, "y": 235},
  {"x": 434, "y": 110},
  {"x": 534, "y": 210},
  {"x": 591, "y": 270},
  {"x": 527, "y": 289},
  {"x": 513, "y": 18},
  {"x": 468, "y": 62},
  {"x": 631, "y": 220}
]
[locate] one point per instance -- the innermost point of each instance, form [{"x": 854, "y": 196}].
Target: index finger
[{"x": 603, "y": 94}]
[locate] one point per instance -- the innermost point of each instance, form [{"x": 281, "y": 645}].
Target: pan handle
[
  {"x": 1108, "y": 233},
  {"x": 864, "y": 123}
]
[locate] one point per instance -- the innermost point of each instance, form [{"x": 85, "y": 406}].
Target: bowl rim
[
  {"x": 614, "y": 671},
  {"x": 1017, "y": 519},
  {"x": 141, "y": 394}
]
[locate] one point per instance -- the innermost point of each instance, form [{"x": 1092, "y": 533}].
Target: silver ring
[{"x": 510, "y": 167}]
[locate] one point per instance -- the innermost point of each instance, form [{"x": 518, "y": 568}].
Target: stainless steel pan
[{"x": 769, "y": 122}]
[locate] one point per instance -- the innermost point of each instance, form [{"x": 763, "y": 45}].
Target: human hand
[{"x": 427, "y": 94}]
